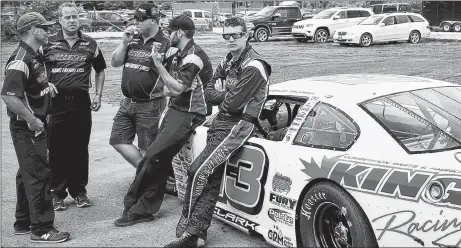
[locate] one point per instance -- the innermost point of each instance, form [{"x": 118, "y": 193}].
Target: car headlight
[{"x": 250, "y": 25}]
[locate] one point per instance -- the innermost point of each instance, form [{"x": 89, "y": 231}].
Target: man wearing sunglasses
[
  {"x": 27, "y": 95},
  {"x": 189, "y": 69},
  {"x": 70, "y": 57},
  {"x": 239, "y": 87}
]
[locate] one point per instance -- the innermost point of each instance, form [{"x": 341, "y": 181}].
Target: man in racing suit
[{"x": 239, "y": 86}]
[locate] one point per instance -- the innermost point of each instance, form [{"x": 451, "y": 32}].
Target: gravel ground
[{"x": 110, "y": 175}]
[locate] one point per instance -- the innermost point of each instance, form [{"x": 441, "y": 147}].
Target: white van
[{"x": 202, "y": 18}]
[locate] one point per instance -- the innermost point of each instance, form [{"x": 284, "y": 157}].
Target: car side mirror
[
  {"x": 275, "y": 16},
  {"x": 336, "y": 17},
  {"x": 381, "y": 24}
]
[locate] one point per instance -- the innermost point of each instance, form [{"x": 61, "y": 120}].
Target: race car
[{"x": 359, "y": 160}]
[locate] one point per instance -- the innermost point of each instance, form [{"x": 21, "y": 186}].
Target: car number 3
[{"x": 244, "y": 178}]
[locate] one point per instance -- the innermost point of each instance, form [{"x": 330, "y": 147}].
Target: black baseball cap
[
  {"x": 27, "y": 21},
  {"x": 182, "y": 22},
  {"x": 145, "y": 11}
]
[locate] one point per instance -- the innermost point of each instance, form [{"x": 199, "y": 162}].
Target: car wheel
[
  {"x": 415, "y": 37},
  {"x": 330, "y": 217},
  {"x": 366, "y": 40},
  {"x": 321, "y": 36},
  {"x": 446, "y": 27},
  {"x": 457, "y": 27},
  {"x": 261, "y": 34}
]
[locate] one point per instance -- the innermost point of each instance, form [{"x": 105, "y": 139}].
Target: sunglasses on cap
[
  {"x": 234, "y": 35},
  {"x": 42, "y": 27},
  {"x": 141, "y": 19}
]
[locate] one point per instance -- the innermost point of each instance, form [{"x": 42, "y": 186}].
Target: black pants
[
  {"x": 34, "y": 205},
  {"x": 145, "y": 195},
  {"x": 69, "y": 130}
]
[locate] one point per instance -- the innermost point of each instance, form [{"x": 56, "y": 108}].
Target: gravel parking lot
[{"x": 110, "y": 175}]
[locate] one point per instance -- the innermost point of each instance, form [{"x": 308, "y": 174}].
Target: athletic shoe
[
  {"x": 22, "y": 231},
  {"x": 130, "y": 219},
  {"x": 58, "y": 204},
  {"x": 187, "y": 240},
  {"x": 53, "y": 236},
  {"x": 82, "y": 201}
]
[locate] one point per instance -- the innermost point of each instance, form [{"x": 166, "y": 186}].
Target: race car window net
[
  {"x": 327, "y": 127},
  {"x": 421, "y": 121}
]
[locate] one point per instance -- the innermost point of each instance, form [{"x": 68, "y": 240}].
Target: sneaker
[
  {"x": 58, "y": 204},
  {"x": 130, "y": 219},
  {"x": 21, "y": 231},
  {"x": 82, "y": 201},
  {"x": 187, "y": 240},
  {"x": 53, "y": 236}
]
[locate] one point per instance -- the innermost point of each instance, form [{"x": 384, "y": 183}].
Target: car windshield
[
  {"x": 326, "y": 14},
  {"x": 371, "y": 20},
  {"x": 266, "y": 11},
  {"x": 422, "y": 121}
]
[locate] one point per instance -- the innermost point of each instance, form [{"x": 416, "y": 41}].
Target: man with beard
[
  {"x": 69, "y": 57},
  {"x": 239, "y": 87},
  {"x": 189, "y": 70},
  {"x": 26, "y": 93},
  {"x": 144, "y": 102}
]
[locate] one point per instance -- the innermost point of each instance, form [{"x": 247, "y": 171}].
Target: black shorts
[{"x": 137, "y": 118}]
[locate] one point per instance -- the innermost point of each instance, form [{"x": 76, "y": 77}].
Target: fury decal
[
  {"x": 282, "y": 201},
  {"x": 402, "y": 183}
]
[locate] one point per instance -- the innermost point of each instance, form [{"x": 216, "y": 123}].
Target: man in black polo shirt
[
  {"x": 26, "y": 93},
  {"x": 189, "y": 71},
  {"x": 69, "y": 57},
  {"x": 140, "y": 111}
]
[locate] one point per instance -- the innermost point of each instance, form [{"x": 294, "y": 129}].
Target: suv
[
  {"x": 102, "y": 21},
  {"x": 322, "y": 26},
  {"x": 202, "y": 18},
  {"x": 273, "y": 20},
  {"x": 390, "y": 7}
]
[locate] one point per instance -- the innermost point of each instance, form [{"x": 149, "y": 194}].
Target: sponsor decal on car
[
  {"x": 385, "y": 179},
  {"x": 280, "y": 216},
  {"x": 281, "y": 184},
  {"x": 235, "y": 219},
  {"x": 282, "y": 201},
  {"x": 404, "y": 223},
  {"x": 276, "y": 235}
]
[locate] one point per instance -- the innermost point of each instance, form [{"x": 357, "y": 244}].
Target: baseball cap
[
  {"x": 182, "y": 22},
  {"x": 144, "y": 11},
  {"x": 27, "y": 21}
]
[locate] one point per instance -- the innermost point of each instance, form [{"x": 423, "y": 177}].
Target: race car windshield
[
  {"x": 265, "y": 11},
  {"x": 427, "y": 120},
  {"x": 326, "y": 14},
  {"x": 371, "y": 20}
]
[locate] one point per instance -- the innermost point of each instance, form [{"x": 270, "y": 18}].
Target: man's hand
[
  {"x": 220, "y": 85},
  {"x": 36, "y": 125},
  {"x": 128, "y": 35},
  {"x": 157, "y": 57},
  {"x": 96, "y": 104}
]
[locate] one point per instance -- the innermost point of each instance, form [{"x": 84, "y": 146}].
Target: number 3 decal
[{"x": 244, "y": 179}]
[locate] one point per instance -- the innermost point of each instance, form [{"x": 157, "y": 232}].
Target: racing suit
[{"x": 247, "y": 85}]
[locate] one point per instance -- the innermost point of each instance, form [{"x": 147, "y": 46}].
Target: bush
[{"x": 9, "y": 31}]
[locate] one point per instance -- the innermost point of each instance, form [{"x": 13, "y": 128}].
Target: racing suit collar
[
  {"x": 184, "y": 52},
  {"x": 26, "y": 47}
]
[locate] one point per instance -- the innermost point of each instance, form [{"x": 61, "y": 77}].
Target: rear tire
[
  {"x": 330, "y": 217},
  {"x": 365, "y": 40},
  {"x": 457, "y": 27},
  {"x": 446, "y": 27},
  {"x": 414, "y": 37}
]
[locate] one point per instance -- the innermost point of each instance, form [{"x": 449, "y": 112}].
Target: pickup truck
[{"x": 273, "y": 21}]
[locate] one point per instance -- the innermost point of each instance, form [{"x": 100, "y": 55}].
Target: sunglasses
[
  {"x": 234, "y": 35},
  {"x": 141, "y": 19},
  {"x": 45, "y": 28}
]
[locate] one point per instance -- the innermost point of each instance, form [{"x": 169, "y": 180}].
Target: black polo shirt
[
  {"x": 25, "y": 77},
  {"x": 140, "y": 78},
  {"x": 188, "y": 66},
  {"x": 69, "y": 68}
]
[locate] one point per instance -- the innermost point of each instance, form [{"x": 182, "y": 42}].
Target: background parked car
[
  {"x": 392, "y": 27},
  {"x": 202, "y": 18},
  {"x": 102, "y": 21},
  {"x": 390, "y": 8},
  {"x": 323, "y": 25}
]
